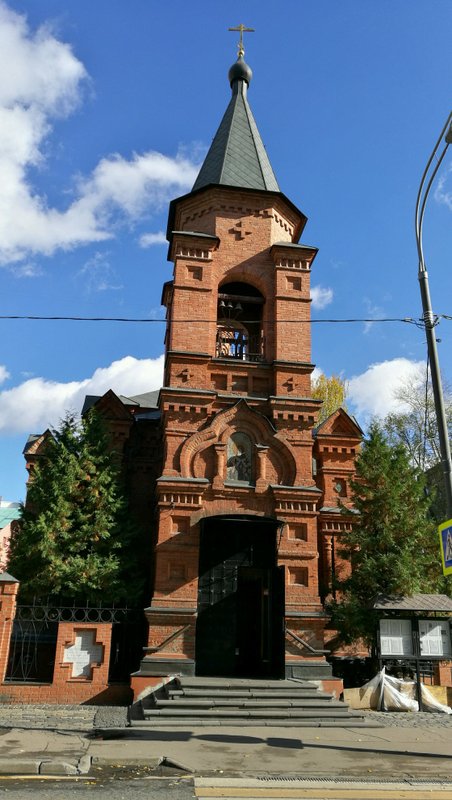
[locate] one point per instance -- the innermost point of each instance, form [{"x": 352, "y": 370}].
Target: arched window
[
  {"x": 240, "y": 462},
  {"x": 239, "y": 323}
]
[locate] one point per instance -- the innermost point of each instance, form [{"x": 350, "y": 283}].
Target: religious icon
[{"x": 239, "y": 462}]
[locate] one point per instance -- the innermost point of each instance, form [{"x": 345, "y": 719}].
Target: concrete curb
[
  {"x": 45, "y": 766},
  {"x": 300, "y": 782},
  {"x": 106, "y": 761},
  {"x": 152, "y": 761},
  {"x": 167, "y": 761}
]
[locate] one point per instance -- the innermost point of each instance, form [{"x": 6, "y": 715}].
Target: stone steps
[
  {"x": 199, "y": 722},
  {"x": 217, "y": 701},
  {"x": 255, "y": 713},
  {"x": 248, "y": 702},
  {"x": 244, "y": 684},
  {"x": 242, "y": 694}
]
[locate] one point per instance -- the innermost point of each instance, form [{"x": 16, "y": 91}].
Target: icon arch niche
[{"x": 217, "y": 451}]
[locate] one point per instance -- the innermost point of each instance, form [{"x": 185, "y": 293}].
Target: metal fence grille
[{"x": 35, "y": 633}]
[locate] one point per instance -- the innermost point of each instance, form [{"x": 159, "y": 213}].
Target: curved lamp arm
[
  {"x": 423, "y": 194},
  {"x": 430, "y": 321}
]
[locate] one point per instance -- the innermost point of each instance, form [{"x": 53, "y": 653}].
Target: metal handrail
[
  {"x": 169, "y": 639},
  {"x": 309, "y": 647},
  {"x": 239, "y": 345}
]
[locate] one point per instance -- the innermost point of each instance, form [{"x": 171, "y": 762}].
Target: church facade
[
  {"x": 238, "y": 486},
  {"x": 244, "y": 549},
  {"x": 248, "y": 499}
]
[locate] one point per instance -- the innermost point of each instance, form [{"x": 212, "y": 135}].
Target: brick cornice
[{"x": 191, "y": 353}]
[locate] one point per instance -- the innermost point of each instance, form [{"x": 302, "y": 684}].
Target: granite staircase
[{"x": 240, "y": 702}]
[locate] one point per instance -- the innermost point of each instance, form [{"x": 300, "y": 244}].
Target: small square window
[
  {"x": 294, "y": 283},
  {"x": 195, "y": 273},
  {"x": 240, "y": 383},
  {"x": 299, "y": 532},
  {"x": 298, "y": 576},
  {"x": 180, "y": 525},
  {"x": 340, "y": 487},
  {"x": 219, "y": 381}
]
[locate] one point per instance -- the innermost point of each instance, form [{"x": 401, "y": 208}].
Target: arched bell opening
[
  {"x": 239, "y": 322},
  {"x": 240, "y": 620}
]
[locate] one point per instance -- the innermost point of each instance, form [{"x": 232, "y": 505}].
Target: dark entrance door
[{"x": 241, "y": 599}]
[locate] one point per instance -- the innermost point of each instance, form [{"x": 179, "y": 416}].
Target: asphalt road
[
  {"x": 87, "y": 788},
  {"x": 184, "y": 788}
]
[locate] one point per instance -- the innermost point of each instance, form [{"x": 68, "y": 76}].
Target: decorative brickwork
[
  {"x": 238, "y": 425},
  {"x": 83, "y": 654},
  {"x": 80, "y": 672},
  {"x": 9, "y": 588}
]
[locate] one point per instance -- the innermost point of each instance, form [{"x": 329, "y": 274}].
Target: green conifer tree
[
  {"x": 393, "y": 546},
  {"x": 74, "y": 539}
]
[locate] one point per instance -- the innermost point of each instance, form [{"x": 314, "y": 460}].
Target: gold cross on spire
[{"x": 243, "y": 29}]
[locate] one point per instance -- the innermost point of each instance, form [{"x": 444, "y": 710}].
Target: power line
[{"x": 35, "y": 317}]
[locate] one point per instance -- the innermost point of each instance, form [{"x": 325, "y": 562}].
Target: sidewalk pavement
[{"x": 401, "y": 749}]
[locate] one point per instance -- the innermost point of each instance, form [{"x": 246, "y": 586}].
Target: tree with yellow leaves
[{"x": 332, "y": 391}]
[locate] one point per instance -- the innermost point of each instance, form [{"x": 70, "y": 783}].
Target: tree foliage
[
  {"x": 416, "y": 429},
  {"x": 332, "y": 391},
  {"x": 74, "y": 536},
  {"x": 393, "y": 546},
  {"x": 415, "y": 426}
]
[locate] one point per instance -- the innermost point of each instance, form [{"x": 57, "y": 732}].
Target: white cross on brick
[{"x": 83, "y": 654}]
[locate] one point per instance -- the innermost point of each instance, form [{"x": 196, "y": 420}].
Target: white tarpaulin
[{"x": 394, "y": 694}]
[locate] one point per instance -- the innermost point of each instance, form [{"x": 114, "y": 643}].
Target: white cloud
[
  {"x": 40, "y": 80},
  {"x": 36, "y": 69},
  {"x": 26, "y": 270},
  {"x": 98, "y": 275},
  {"x": 4, "y": 374},
  {"x": 373, "y": 311},
  {"x": 157, "y": 312},
  {"x": 373, "y": 393},
  {"x": 38, "y": 403},
  {"x": 321, "y": 296},
  {"x": 149, "y": 239},
  {"x": 441, "y": 196}
]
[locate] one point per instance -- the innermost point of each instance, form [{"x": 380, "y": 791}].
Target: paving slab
[
  {"x": 391, "y": 752},
  {"x": 43, "y": 752},
  {"x": 408, "y": 752}
]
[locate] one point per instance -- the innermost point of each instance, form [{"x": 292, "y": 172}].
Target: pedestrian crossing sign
[{"x": 445, "y": 538}]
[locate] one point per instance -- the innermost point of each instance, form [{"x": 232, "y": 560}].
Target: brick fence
[{"x": 81, "y": 666}]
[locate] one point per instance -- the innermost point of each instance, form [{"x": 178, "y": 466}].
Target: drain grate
[{"x": 342, "y": 779}]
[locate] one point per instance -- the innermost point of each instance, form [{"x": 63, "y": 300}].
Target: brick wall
[
  {"x": 82, "y": 659},
  {"x": 9, "y": 588}
]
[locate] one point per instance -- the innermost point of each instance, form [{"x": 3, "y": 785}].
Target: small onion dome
[{"x": 240, "y": 71}]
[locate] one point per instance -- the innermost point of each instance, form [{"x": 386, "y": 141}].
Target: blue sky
[{"x": 106, "y": 111}]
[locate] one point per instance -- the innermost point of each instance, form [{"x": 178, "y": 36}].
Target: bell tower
[{"x": 236, "y": 588}]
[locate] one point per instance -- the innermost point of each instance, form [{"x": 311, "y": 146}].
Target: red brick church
[{"x": 235, "y": 482}]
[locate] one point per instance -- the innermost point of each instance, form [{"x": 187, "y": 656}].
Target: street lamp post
[{"x": 430, "y": 320}]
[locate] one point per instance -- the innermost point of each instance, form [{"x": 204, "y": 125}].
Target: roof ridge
[
  {"x": 251, "y": 120},
  {"x": 226, "y": 149}
]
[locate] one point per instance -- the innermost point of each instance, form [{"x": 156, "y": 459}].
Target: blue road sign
[{"x": 445, "y": 538}]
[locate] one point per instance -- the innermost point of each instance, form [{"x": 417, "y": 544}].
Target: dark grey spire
[{"x": 237, "y": 156}]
